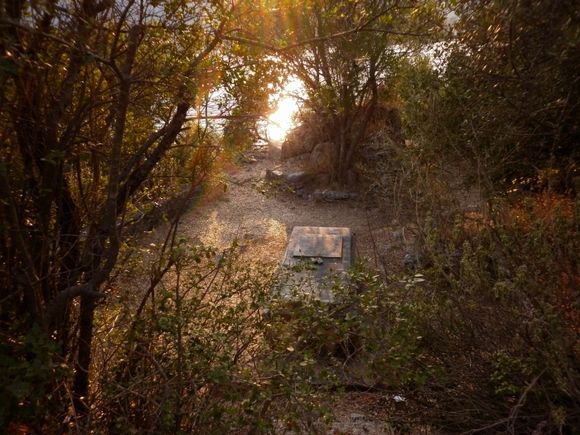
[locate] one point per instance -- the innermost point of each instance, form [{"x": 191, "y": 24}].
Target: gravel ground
[{"x": 261, "y": 216}]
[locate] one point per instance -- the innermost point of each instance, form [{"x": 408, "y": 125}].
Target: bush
[
  {"x": 495, "y": 301},
  {"x": 31, "y": 374},
  {"x": 193, "y": 357},
  {"x": 504, "y": 98},
  {"x": 195, "y": 353},
  {"x": 498, "y": 312}
]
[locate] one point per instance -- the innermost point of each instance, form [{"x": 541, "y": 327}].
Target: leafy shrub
[
  {"x": 211, "y": 349},
  {"x": 193, "y": 359},
  {"x": 501, "y": 318},
  {"x": 367, "y": 338},
  {"x": 29, "y": 376},
  {"x": 505, "y": 96}
]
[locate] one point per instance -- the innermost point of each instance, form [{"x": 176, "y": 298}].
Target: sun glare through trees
[
  {"x": 286, "y": 104},
  {"x": 157, "y": 155}
]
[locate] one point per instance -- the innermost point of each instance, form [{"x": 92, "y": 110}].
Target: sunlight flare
[{"x": 281, "y": 121}]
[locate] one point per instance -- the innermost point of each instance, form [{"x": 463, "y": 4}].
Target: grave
[{"x": 313, "y": 255}]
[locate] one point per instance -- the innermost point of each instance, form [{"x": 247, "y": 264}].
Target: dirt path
[{"x": 261, "y": 216}]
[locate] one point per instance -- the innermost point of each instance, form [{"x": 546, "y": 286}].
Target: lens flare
[
  {"x": 287, "y": 104},
  {"x": 282, "y": 120}
]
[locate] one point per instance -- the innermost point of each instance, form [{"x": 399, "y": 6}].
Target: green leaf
[
  {"x": 9, "y": 67},
  {"x": 20, "y": 389}
]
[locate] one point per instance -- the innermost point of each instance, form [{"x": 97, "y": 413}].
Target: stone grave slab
[{"x": 318, "y": 245}]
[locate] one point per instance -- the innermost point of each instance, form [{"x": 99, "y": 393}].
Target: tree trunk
[{"x": 83, "y": 363}]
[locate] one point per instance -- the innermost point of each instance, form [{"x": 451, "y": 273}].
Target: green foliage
[
  {"x": 344, "y": 52},
  {"x": 247, "y": 87},
  {"x": 95, "y": 100},
  {"x": 368, "y": 335},
  {"x": 217, "y": 349},
  {"x": 29, "y": 371},
  {"x": 195, "y": 358},
  {"x": 504, "y": 325},
  {"x": 505, "y": 98},
  {"x": 497, "y": 303}
]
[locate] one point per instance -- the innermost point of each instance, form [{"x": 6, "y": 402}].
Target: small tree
[
  {"x": 507, "y": 102},
  {"x": 93, "y": 94},
  {"x": 344, "y": 52}
]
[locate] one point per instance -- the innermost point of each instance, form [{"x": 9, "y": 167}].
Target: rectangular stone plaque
[{"x": 316, "y": 245}]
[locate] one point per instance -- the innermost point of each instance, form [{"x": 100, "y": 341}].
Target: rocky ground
[{"x": 256, "y": 205}]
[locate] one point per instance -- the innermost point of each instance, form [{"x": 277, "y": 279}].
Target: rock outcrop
[
  {"x": 295, "y": 147},
  {"x": 322, "y": 157}
]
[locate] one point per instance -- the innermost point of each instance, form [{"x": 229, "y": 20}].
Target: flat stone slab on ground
[
  {"x": 327, "y": 246},
  {"x": 333, "y": 195},
  {"x": 331, "y": 246}
]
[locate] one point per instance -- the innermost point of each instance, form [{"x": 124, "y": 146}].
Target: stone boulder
[
  {"x": 322, "y": 157},
  {"x": 332, "y": 195},
  {"x": 298, "y": 179},
  {"x": 295, "y": 147},
  {"x": 273, "y": 175}
]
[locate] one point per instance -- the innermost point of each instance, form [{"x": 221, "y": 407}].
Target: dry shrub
[
  {"x": 407, "y": 182},
  {"x": 544, "y": 209},
  {"x": 499, "y": 313},
  {"x": 495, "y": 301}
]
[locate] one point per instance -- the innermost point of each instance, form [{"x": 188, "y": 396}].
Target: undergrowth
[
  {"x": 192, "y": 358},
  {"x": 499, "y": 313}
]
